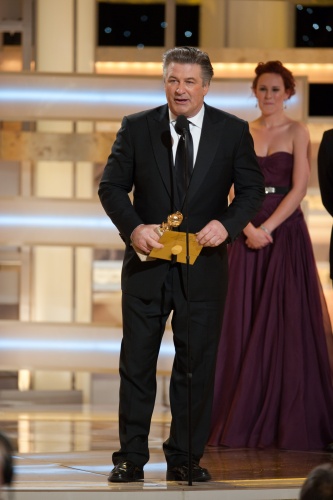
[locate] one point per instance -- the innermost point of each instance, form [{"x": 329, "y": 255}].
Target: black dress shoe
[
  {"x": 180, "y": 473},
  {"x": 125, "y": 472}
]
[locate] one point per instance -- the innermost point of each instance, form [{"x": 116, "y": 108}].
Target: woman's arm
[
  {"x": 300, "y": 177},
  {"x": 262, "y": 236}
]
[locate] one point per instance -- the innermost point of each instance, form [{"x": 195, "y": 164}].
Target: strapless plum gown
[{"x": 273, "y": 385}]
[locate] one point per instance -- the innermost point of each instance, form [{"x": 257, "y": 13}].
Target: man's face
[{"x": 184, "y": 89}]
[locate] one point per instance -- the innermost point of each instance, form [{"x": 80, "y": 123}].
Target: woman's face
[{"x": 270, "y": 92}]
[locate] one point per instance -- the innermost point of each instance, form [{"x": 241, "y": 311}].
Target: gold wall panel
[{"x": 36, "y": 146}]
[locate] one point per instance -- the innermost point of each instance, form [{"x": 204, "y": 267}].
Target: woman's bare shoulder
[
  {"x": 298, "y": 126},
  {"x": 298, "y": 130}
]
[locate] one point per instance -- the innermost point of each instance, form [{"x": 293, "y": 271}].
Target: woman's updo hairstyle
[{"x": 278, "y": 68}]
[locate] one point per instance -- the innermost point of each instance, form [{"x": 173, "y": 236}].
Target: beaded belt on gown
[{"x": 276, "y": 189}]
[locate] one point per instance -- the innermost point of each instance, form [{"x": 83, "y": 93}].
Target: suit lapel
[
  {"x": 159, "y": 128},
  {"x": 210, "y": 139},
  {"x": 161, "y": 140}
]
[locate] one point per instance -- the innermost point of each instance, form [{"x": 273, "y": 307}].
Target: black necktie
[{"x": 184, "y": 158}]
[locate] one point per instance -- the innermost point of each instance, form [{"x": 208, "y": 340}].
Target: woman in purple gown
[{"x": 273, "y": 385}]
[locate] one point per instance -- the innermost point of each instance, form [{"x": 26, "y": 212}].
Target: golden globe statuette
[
  {"x": 175, "y": 242},
  {"x": 173, "y": 220}
]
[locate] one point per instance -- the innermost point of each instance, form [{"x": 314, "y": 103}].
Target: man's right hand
[{"x": 144, "y": 237}]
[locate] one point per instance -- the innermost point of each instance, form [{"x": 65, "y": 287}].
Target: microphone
[{"x": 182, "y": 125}]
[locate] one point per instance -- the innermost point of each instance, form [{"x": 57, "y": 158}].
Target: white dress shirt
[{"x": 195, "y": 129}]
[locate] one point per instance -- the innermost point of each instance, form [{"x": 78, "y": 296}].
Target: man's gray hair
[{"x": 189, "y": 55}]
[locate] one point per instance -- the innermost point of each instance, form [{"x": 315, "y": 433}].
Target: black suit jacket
[
  {"x": 325, "y": 176},
  {"x": 141, "y": 158}
]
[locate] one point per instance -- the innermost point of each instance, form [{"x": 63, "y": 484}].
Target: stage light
[
  {"x": 51, "y": 222},
  {"x": 8, "y": 344},
  {"x": 114, "y": 97}
]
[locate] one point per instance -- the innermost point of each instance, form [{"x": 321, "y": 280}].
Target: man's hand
[
  {"x": 144, "y": 238},
  {"x": 212, "y": 235}
]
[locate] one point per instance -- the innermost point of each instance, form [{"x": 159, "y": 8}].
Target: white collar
[{"x": 195, "y": 120}]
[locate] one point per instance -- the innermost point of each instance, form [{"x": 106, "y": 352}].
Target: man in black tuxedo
[
  {"x": 142, "y": 159},
  {"x": 6, "y": 461},
  {"x": 325, "y": 176}
]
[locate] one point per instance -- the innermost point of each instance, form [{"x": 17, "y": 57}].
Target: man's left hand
[{"x": 212, "y": 235}]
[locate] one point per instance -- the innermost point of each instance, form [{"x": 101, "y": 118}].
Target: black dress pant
[{"x": 143, "y": 327}]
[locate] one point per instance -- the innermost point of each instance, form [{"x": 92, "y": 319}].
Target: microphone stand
[{"x": 187, "y": 290}]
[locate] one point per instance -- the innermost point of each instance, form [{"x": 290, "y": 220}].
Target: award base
[
  {"x": 175, "y": 247},
  {"x": 142, "y": 256}
]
